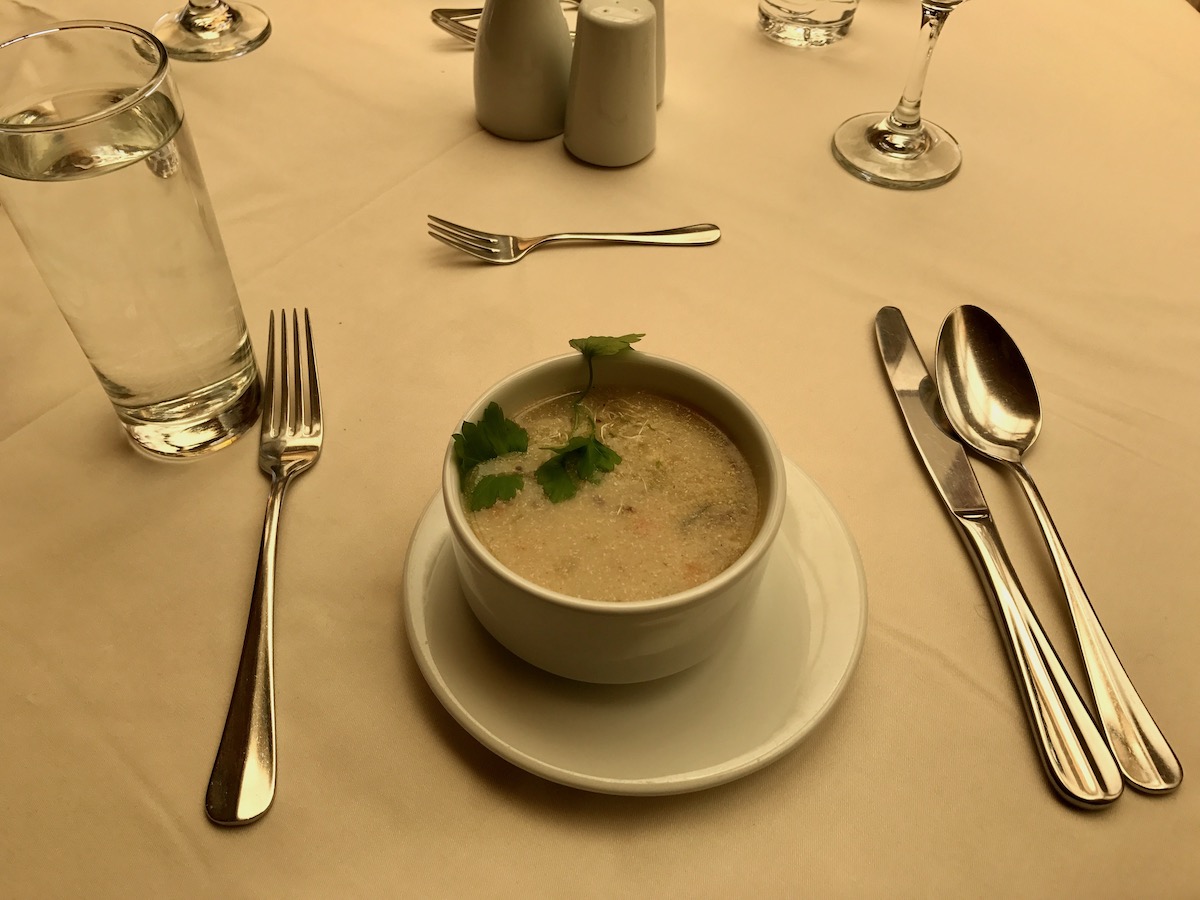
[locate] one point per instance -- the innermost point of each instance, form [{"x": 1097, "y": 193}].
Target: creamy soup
[{"x": 680, "y": 508}]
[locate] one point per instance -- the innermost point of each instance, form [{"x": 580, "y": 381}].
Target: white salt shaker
[
  {"x": 522, "y": 65},
  {"x": 613, "y": 94}
]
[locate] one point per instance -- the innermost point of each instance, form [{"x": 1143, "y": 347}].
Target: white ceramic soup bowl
[{"x": 599, "y": 640}]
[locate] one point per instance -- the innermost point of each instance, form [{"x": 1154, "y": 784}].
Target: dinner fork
[
  {"x": 454, "y": 20},
  {"x": 242, "y": 784},
  {"x": 501, "y": 249}
]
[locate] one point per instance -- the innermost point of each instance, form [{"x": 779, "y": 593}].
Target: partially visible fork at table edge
[
  {"x": 452, "y": 20},
  {"x": 500, "y": 249},
  {"x": 242, "y": 784}
]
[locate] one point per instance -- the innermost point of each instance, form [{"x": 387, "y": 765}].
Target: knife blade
[{"x": 1077, "y": 762}]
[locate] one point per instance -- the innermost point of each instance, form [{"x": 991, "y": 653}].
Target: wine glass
[
  {"x": 210, "y": 30},
  {"x": 898, "y": 149}
]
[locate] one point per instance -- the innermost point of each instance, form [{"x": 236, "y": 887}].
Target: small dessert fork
[
  {"x": 242, "y": 784},
  {"x": 501, "y": 249}
]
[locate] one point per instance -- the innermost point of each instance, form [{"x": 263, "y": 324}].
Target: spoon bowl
[{"x": 986, "y": 388}]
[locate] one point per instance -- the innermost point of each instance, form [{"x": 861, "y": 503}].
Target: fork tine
[
  {"x": 314, "y": 386},
  {"x": 295, "y": 401},
  {"x": 269, "y": 410},
  {"x": 464, "y": 231},
  {"x": 465, "y": 240},
  {"x": 456, "y": 26},
  {"x": 478, "y": 253},
  {"x": 285, "y": 388}
]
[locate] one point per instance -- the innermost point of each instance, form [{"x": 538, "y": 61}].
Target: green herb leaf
[
  {"x": 596, "y": 459},
  {"x": 506, "y": 436},
  {"x": 491, "y": 488},
  {"x": 557, "y": 484},
  {"x": 490, "y": 437},
  {"x": 594, "y": 346},
  {"x": 605, "y": 346},
  {"x": 470, "y": 448},
  {"x": 582, "y": 458}
]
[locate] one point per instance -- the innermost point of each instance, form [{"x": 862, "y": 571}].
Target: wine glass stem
[
  {"x": 906, "y": 117},
  {"x": 209, "y": 17}
]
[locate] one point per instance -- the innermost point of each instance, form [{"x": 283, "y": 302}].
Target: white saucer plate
[{"x": 772, "y": 681}]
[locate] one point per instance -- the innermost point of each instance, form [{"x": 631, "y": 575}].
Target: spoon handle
[
  {"x": 1073, "y": 752},
  {"x": 1141, "y": 750}
]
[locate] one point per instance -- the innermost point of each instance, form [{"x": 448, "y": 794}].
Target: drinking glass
[
  {"x": 899, "y": 149},
  {"x": 211, "y": 30},
  {"x": 806, "y": 23},
  {"x": 100, "y": 178}
]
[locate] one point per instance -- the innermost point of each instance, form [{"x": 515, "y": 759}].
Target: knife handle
[{"x": 1077, "y": 761}]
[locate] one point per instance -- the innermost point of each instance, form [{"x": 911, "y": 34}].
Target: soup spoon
[{"x": 992, "y": 402}]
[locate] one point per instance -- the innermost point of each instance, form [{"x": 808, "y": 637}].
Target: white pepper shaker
[
  {"x": 612, "y": 100},
  {"x": 522, "y": 66},
  {"x": 660, "y": 46}
]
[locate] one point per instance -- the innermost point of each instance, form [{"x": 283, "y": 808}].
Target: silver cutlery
[
  {"x": 455, "y": 21},
  {"x": 1076, "y": 759},
  {"x": 242, "y": 784},
  {"x": 501, "y": 249},
  {"x": 992, "y": 402}
]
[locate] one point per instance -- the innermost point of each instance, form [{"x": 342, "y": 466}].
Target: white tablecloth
[{"x": 124, "y": 583}]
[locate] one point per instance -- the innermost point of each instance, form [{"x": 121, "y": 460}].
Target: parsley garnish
[
  {"x": 492, "y": 436},
  {"x": 491, "y": 488},
  {"x": 582, "y": 458},
  {"x": 592, "y": 347}
]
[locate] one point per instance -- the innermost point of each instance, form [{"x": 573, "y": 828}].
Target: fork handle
[
  {"x": 687, "y": 236},
  {"x": 242, "y": 784}
]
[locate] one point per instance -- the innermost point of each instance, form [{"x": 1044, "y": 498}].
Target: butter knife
[{"x": 1077, "y": 761}]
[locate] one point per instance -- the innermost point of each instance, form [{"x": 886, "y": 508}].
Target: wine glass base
[
  {"x": 801, "y": 30},
  {"x": 226, "y": 33},
  {"x": 858, "y": 146}
]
